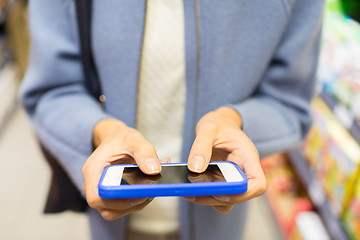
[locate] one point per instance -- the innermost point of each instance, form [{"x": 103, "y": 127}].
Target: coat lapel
[{"x": 117, "y": 33}]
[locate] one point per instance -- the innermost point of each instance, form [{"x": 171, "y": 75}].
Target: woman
[{"x": 194, "y": 80}]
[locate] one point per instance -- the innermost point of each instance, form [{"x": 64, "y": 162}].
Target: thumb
[{"x": 201, "y": 149}]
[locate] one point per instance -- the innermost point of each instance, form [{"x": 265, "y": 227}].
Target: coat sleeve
[
  {"x": 278, "y": 116},
  {"x": 53, "y": 92}
]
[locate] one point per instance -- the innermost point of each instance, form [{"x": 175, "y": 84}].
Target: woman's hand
[
  {"x": 117, "y": 143},
  {"x": 219, "y": 138}
]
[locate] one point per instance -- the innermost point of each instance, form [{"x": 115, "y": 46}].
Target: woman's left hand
[{"x": 219, "y": 138}]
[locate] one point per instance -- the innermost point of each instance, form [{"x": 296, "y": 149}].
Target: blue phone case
[{"x": 173, "y": 189}]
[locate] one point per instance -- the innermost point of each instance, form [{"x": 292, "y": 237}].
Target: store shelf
[
  {"x": 317, "y": 195},
  {"x": 8, "y": 92},
  {"x": 2, "y": 14},
  {"x": 343, "y": 115},
  {"x": 278, "y": 223}
]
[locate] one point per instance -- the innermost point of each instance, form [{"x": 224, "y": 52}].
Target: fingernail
[
  {"x": 222, "y": 198},
  {"x": 152, "y": 166},
  {"x": 137, "y": 201},
  {"x": 197, "y": 164}
]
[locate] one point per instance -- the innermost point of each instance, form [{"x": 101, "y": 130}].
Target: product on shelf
[
  {"x": 351, "y": 8},
  {"x": 310, "y": 226},
  {"x": 285, "y": 195},
  {"x": 339, "y": 66},
  {"x": 333, "y": 155},
  {"x": 351, "y": 216}
]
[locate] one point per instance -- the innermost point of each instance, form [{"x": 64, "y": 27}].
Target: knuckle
[
  {"x": 207, "y": 126},
  {"x": 148, "y": 148},
  {"x": 92, "y": 202},
  {"x": 132, "y": 136},
  {"x": 85, "y": 167},
  {"x": 262, "y": 186},
  {"x": 83, "y": 170}
]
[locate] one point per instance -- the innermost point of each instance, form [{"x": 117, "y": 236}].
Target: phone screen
[{"x": 172, "y": 174}]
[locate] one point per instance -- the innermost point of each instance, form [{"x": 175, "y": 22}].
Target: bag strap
[{"x": 84, "y": 14}]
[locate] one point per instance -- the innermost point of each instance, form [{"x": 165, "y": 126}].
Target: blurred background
[{"x": 313, "y": 192}]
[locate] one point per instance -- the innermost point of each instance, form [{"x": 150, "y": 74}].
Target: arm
[
  {"x": 53, "y": 92},
  {"x": 274, "y": 119},
  {"x": 67, "y": 119},
  {"x": 278, "y": 116}
]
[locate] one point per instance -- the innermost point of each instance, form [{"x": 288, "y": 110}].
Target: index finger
[
  {"x": 144, "y": 154},
  {"x": 201, "y": 150}
]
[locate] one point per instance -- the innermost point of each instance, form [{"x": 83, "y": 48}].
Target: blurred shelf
[
  {"x": 2, "y": 13},
  {"x": 8, "y": 92},
  {"x": 317, "y": 195},
  {"x": 344, "y": 116},
  {"x": 279, "y": 224}
]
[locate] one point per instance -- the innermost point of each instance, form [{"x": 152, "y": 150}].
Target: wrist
[{"x": 105, "y": 128}]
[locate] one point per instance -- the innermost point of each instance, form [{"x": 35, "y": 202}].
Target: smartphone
[{"x": 127, "y": 181}]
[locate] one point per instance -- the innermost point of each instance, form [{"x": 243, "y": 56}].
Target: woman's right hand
[{"x": 116, "y": 143}]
